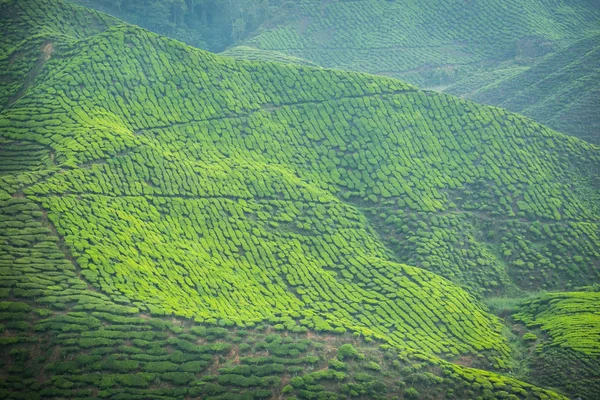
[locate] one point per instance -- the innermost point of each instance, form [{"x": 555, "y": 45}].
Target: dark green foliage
[
  {"x": 160, "y": 366},
  {"x": 210, "y": 24},
  {"x": 347, "y": 351},
  {"x": 177, "y": 378},
  {"x": 567, "y": 370}
]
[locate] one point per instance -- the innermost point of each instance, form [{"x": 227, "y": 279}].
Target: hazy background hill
[{"x": 560, "y": 91}]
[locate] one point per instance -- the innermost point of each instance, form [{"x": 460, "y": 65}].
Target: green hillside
[
  {"x": 429, "y": 43},
  {"x": 424, "y": 42},
  {"x": 151, "y": 191},
  {"x": 253, "y": 54},
  {"x": 208, "y": 24},
  {"x": 537, "y": 58},
  {"x": 562, "y": 91}
]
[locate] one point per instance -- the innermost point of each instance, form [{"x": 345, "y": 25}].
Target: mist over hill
[{"x": 561, "y": 91}]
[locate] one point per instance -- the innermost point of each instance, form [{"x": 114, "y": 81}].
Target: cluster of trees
[{"x": 208, "y": 24}]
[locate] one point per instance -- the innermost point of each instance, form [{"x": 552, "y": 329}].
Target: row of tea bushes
[
  {"x": 135, "y": 168},
  {"x": 175, "y": 183},
  {"x": 154, "y": 252},
  {"x": 571, "y": 319}
]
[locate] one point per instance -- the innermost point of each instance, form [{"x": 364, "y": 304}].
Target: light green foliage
[
  {"x": 566, "y": 345},
  {"x": 199, "y": 210},
  {"x": 412, "y": 393},
  {"x": 184, "y": 239},
  {"x": 520, "y": 55},
  {"x": 373, "y": 366},
  {"x": 347, "y": 351}
]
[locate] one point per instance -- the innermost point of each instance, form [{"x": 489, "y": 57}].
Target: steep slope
[
  {"x": 141, "y": 172},
  {"x": 430, "y": 43},
  {"x": 129, "y": 190},
  {"x": 562, "y": 91},
  {"x": 20, "y": 54}
]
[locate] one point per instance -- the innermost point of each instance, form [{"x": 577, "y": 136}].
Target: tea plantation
[
  {"x": 537, "y": 58},
  {"x": 254, "y": 54},
  {"x": 560, "y": 91},
  {"x": 425, "y": 42},
  {"x": 179, "y": 224}
]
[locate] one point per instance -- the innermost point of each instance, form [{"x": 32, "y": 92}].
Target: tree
[{"x": 347, "y": 351}]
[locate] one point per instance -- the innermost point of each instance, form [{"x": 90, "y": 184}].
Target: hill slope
[
  {"x": 429, "y": 43},
  {"x": 141, "y": 172},
  {"x": 424, "y": 42},
  {"x": 562, "y": 91}
]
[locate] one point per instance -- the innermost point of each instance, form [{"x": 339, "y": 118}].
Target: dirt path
[{"x": 45, "y": 53}]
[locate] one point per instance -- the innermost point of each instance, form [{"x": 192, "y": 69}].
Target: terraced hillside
[
  {"x": 562, "y": 91},
  {"x": 144, "y": 180},
  {"x": 428, "y": 43},
  {"x": 537, "y": 58}
]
